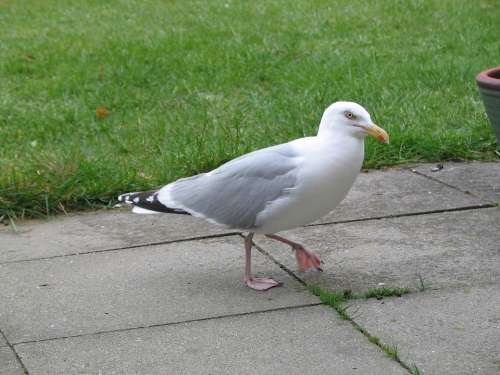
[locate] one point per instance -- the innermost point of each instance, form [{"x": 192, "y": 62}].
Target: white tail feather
[{"x": 140, "y": 210}]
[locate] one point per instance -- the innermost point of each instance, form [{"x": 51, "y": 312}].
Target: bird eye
[{"x": 349, "y": 115}]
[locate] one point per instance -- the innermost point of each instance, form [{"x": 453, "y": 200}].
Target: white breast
[{"x": 326, "y": 172}]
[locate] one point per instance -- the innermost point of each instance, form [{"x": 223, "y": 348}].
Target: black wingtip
[{"x": 149, "y": 201}]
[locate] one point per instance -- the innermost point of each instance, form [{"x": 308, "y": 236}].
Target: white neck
[
  {"x": 324, "y": 129},
  {"x": 342, "y": 146}
]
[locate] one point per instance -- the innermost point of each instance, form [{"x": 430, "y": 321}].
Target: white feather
[{"x": 140, "y": 210}]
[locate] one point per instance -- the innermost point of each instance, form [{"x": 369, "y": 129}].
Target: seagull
[{"x": 275, "y": 188}]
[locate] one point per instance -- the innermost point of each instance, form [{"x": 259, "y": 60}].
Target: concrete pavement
[{"x": 114, "y": 293}]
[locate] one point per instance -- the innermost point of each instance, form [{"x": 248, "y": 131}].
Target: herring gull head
[{"x": 352, "y": 119}]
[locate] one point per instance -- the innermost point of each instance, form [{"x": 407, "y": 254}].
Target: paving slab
[
  {"x": 139, "y": 287},
  {"x": 106, "y": 229},
  {"x": 301, "y": 341},
  {"x": 8, "y": 363},
  {"x": 445, "y": 249},
  {"x": 481, "y": 179},
  {"x": 446, "y": 332},
  {"x": 396, "y": 191}
]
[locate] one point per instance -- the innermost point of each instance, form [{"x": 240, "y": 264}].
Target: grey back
[{"x": 237, "y": 191}]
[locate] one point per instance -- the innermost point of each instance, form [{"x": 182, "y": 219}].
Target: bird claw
[
  {"x": 307, "y": 260},
  {"x": 262, "y": 283}
]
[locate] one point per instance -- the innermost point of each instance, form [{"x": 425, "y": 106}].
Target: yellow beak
[{"x": 377, "y": 132}]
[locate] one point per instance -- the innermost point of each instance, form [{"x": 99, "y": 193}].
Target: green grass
[
  {"x": 380, "y": 293},
  {"x": 339, "y": 297},
  {"x": 337, "y": 300},
  {"x": 333, "y": 299},
  {"x": 414, "y": 370},
  {"x": 190, "y": 85},
  {"x": 391, "y": 351}
]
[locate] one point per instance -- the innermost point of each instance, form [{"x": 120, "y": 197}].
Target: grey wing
[{"x": 236, "y": 192}]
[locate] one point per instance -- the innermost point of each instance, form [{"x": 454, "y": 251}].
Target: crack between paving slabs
[
  {"x": 168, "y": 324},
  {"x": 18, "y": 358},
  {"x": 466, "y": 192},
  {"x": 228, "y": 234},
  {"x": 413, "y": 370},
  {"x": 197, "y": 238},
  {"x": 409, "y": 214}
]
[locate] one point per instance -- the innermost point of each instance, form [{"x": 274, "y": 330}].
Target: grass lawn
[{"x": 190, "y": 84}]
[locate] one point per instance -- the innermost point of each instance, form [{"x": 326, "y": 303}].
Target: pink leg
[
  {"x": 257, "y": 283},
  {"x": 305, "y": 259}
]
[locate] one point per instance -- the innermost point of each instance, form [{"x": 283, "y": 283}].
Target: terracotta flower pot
[{"x": 488, "y": 82}]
